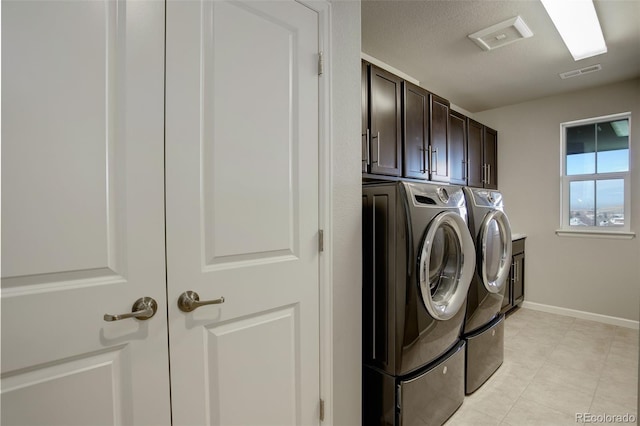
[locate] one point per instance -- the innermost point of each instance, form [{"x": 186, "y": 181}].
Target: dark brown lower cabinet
[{"x": 514, "y": 291}]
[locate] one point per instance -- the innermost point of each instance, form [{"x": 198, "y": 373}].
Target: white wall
[
  {"x": 599, "y": 276},
  {"x": 347, "y": 213}
]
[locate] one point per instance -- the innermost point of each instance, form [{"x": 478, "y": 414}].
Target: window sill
[{"x": 623, "y": 235}]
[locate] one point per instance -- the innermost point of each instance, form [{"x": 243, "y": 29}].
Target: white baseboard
[{"x": 621, "y": 322}]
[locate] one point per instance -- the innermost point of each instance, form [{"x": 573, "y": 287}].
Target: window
[{"x": 595, "y": 175}]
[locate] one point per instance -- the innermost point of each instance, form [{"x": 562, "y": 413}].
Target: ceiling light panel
[
  {"x": 621, "y": 128},
  {"x": 501, "y": 34},
  {"x": 578, "y": 25}
]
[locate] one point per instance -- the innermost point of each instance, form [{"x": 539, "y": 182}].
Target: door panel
[
  {"x": 242, "y": 211},
  {"x": 458, "y": 148},
  {"x": 237, "y": 376},
  {"x": 439, "y": 128},
  {"x": 82, "y": 212},
  {"x": 475, "y": 142},
  {"x": 248, "y": 168},
  {"x": 65, "y": 385},
  {"x": 386, "y": 130},
  {"x": 72, "y": 233},
  {"x": 416, "y": 131},
  {"x": 491, "y": 157}
]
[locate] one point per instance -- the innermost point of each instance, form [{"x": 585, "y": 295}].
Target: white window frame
[{"x": 565, "y": 181}]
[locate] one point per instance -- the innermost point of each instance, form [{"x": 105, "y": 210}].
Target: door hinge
[
  {"x": 321, "y": 410},
  {"x": 320, "y": 64},
  {"x": 321, "y": 240}
]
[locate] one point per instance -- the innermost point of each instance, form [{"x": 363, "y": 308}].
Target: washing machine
[
  {"x": 418, "y": 262},
  {"x": 483, "y": 324}
]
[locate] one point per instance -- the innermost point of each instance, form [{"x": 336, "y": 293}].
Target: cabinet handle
[
  {"x": 435, "y": 163},
  {"x": 464, "y": 170},
  {"x": 377, "y": 148},
  {"x": 367, "y": 145},
  {"x": 484, "y": 173},
  {"x": 488, "y": 174},
  {"x": 423, "y": 161},
  {"x": 515, "y": 272}
]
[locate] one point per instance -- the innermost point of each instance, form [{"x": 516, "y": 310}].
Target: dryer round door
[
  {"x": 445, "y": 265},
  {"x": 494, "y": 244}
]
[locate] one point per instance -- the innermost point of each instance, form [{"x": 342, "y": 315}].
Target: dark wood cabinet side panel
[
  {"x": 415, "y": 137},
  {"x": 386, "y": 132},
  {"x": 439, "y": 136},
  {"x": 491, "y": 157},
  {"x": 475, "y": 160},
  {"x": 457, "y": 148}
]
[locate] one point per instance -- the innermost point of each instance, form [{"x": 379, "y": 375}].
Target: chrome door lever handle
[
  {"x": 143, "y": 309},
  {"x": 190, "y": 300}
]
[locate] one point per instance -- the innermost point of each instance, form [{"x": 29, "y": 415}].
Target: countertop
[{"x": 515, "y": 236}]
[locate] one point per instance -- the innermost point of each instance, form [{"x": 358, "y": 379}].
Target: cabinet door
[
  {"x": 508, "y": 289},
  {"x": 416, "y": 131},
  {"x": 386, "y": 132},
  {"x": 475, "y": 162},
  {"x": 439, "y": 126},
  {"x": 458, "y": 148},
  {"x": 366, "y": 152},
  {"x": 491, "y": 158},
  {"x": 518, "y": 278}
]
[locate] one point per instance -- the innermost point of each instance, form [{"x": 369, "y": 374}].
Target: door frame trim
[{"x": 325, "y": 292}]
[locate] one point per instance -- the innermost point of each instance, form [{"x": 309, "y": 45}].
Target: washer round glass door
[
  {"x": 495, "y": 250},
  {"x": 445, "y": 265}
]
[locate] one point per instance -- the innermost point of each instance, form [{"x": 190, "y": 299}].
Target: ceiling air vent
[
  {"x": 501, "y": 34},
  {"x": 581, "y": 71}
]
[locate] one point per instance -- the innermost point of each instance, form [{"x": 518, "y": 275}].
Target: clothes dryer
[
  {"x": 418, "y": 262},
  {"x": 484, "y": 325}
]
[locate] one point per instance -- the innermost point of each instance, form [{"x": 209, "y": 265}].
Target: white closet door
[
  {"x": 242, "y": 211},
  {"x": 82, "y": 213}
]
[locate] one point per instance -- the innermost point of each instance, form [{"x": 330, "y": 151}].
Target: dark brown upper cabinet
[
  {"x": 491, "y": 157},
  {"x": 482, "y": 155},
  {"x": 383, "y": 140},
  {"x": 408, "y": 132},
  {"x": 415, "y": 121},
  {"x": 439, "y": 138},
  {"x": 457, "y": 148},
  {"x": 475, "y": 162}
]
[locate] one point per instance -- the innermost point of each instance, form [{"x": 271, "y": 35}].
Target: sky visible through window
[
  {"x": 597, "y": 199},
  {"x": 609, "y": 161}
]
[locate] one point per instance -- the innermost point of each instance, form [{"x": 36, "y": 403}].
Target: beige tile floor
[{"x": 555, "y": 367}]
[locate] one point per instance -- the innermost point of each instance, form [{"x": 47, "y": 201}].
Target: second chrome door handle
[{"x": 190, "y": 300}]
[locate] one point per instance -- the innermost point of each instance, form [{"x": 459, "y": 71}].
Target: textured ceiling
[{"x": 427, "y": 40}]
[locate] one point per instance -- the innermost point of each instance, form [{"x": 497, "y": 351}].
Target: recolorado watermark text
[{"x": 605, "y": 418}]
